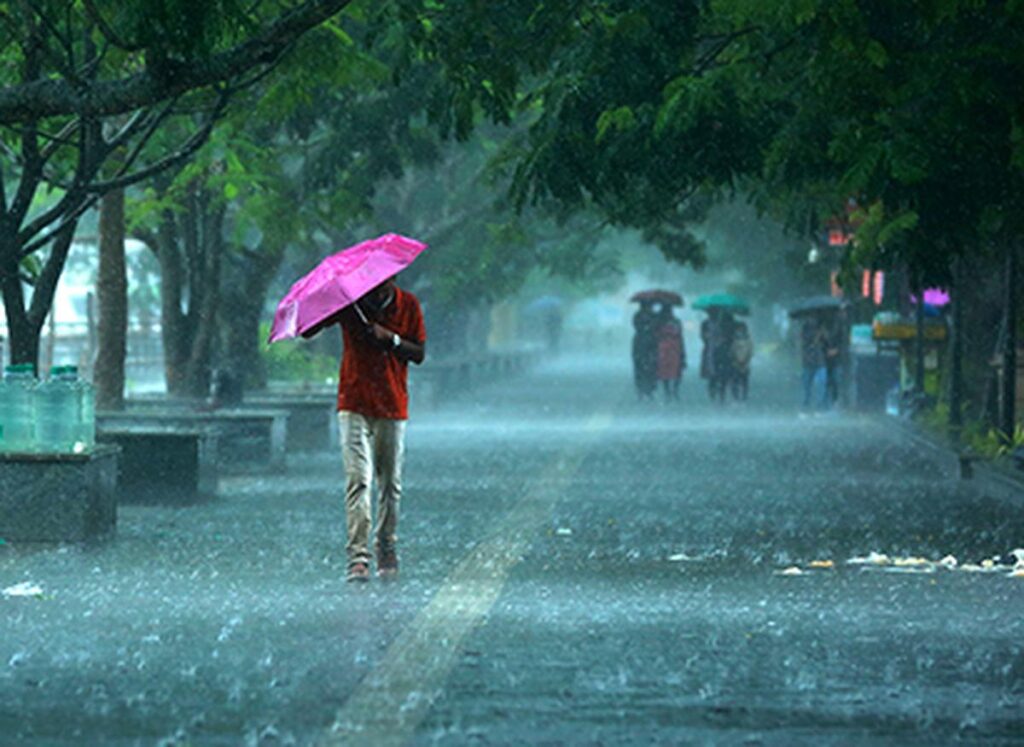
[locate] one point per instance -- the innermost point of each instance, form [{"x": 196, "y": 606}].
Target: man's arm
[
  {"x": 343, "y": 316},
  {"x": 409, "y": 350}
]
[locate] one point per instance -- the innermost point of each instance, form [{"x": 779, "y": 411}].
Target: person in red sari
[{"x": 671, "y": 352}]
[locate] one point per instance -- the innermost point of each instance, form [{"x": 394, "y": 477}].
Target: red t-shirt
[{"x": 372, "y": 380}]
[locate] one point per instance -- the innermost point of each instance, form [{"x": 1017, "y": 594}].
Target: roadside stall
[{"x": 898, "y": 334}]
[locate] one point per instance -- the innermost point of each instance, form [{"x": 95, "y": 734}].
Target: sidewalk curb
[{"x": 986, "y": 475}]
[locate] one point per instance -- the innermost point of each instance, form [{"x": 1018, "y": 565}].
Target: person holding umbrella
[
  {"x": 382, "y": 330},
  {"x": 823, "y": 337},
  {"x": 645, "y": 347},
  {"x": 671, "y": 352},
  {"x": 717, "y": 332},
  {"x": 813, "y": 344},
  {"x": 645, "y": 350}
]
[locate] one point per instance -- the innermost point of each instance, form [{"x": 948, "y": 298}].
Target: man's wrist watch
[{"x": 395, "y": 340}]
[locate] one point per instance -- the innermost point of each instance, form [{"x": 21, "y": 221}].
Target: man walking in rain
[{"x": 381, "y": 333}]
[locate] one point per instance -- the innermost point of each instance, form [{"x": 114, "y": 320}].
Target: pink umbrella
[{"x": 339, "y": 280}]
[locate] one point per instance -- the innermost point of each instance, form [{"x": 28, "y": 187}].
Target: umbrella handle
[{"x": 361, "y": 314}]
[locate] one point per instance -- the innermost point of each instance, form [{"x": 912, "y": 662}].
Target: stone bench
[
  {"x": 58, "y": 497},
  {"x": 247, "y": 439},
  {"x": 163, "y": 463},
  {"x": 312, "y": 418}
]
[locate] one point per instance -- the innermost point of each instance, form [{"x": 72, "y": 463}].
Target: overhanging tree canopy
[{"x": 84, "y": 86}]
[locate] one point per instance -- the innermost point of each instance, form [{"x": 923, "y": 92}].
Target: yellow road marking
[{"x": 395, "y": 697}]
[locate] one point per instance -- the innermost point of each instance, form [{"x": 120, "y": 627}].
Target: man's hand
[
  {"x": 381, "y": 335},
  {"x": 405, "y": 349}
]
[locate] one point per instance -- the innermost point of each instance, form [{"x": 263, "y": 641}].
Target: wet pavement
[{"x": 578, "y": 568}]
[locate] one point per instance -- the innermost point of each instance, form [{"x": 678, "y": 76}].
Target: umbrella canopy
[
  {"x": 725, "y": 301},
  {"x": 339, "y": 280},
  {"x": 657, "y": 295},
  {"x": 815, "y": 305},
  {"x": 935, "y": 297}
]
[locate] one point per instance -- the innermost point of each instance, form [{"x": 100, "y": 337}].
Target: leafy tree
[
  {"x": 617, "y": 124},
  {"x": 279, "y": 180},
  {"x": 84, "y": 86},
  {"x": 482, "y": 249},
  {"x": 639, "y": 107},
  {"x": 910, "y": 108},
  {"x": 914, "y": 110}
]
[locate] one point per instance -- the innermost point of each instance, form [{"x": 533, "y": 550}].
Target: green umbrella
[{"x": 725, "y": 301}]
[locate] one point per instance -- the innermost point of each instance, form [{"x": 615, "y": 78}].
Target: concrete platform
[
  {"x": 164, "y": 464},
  {"x": 58, "y": 497}
]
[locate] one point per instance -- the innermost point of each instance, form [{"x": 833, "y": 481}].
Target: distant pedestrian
[
  {"x": 671, "y": 352},
  {"x": 813, "y": 341},
  {"x": 381, "y": 333},
  {"x": 717, "y": 332},
  {"x": 837, "y": 355},
  {"x": 742, "y": 352},
  {"x": 553, "y": 328},
  {"x": 707, "y": 358},
  {"x": 645, "y": 350}
]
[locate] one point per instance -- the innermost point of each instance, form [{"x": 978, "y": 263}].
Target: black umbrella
[
  {"x": 816, "y": 305},
  {"x": 658, "y": 295}
]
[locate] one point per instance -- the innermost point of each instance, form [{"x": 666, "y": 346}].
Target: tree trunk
[
  {"x": 956, "y": 385},
  {"x": 247, "y": 279},
  {"x": 1008, "y": 418},
  {"x": 23, "y": 343},
  {"x": 205, "y": 257},
  {"x": 173, "y": 335},
  {"x": 112, "y": 295},
  {"x": 25, "y": 323},
  {"x": 241, "y": 346},
  {"x": 189, "y": 248}
]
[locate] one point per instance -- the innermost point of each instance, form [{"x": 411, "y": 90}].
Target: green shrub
[
  {"x": 994, "y": 443},
  {"x": 290, "y": 360}
]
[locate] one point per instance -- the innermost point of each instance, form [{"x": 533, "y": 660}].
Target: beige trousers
[{"x": 371, "y": 448}]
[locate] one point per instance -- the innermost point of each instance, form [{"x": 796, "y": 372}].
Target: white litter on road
[
  {"x": 24, "y": 589},
  {"x": 791, "y": 571}
]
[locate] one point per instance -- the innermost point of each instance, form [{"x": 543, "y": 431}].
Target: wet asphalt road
[{"x": 577, "y": 568}]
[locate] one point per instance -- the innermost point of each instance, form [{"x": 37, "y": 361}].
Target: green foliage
[
  {"x": 593, "y": 81},
  {"x": 876, "y": 229},
  {"x": 934, "y": 419},
  {"x": 619, "y": 119},
  {"x": 179, "y": 28},
  {"x": 994, "y": 444},
  {"x": 292, "y": 360},
  {"x": 905, "y": 107},
  {"x": 804, "y": 103}
]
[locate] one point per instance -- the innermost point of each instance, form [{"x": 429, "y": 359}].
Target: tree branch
[
  {"x": 194, "y": 143},
  {"x": 720, "y": 44},
  {"x": 85, "y": 171},
  {"x": 46, "y": 284},
  {"x": 32, "y": 166},
  {"x": 89, "y": 191},
  {"x": 65, "y": 66},
  {"x": 43, "y": 97},
  {"x": 105, "y": 29}
]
